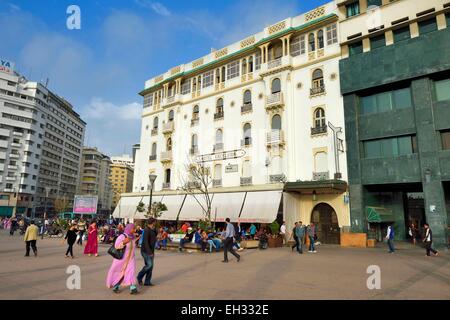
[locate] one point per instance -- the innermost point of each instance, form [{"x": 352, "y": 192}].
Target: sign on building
[
  {"x": 231, "y": 168},
  {"x": 85, "y": 204},
  {"x": 6, "y": 66},
  {"x": 234, "y": 154}
]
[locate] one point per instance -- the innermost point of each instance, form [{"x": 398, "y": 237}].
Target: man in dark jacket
[{"x": 148, "y": 253}]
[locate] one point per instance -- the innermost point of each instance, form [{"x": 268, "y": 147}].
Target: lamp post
[
  {"x": 152, "y": 178},
  {"x": 47, "y": 191}
]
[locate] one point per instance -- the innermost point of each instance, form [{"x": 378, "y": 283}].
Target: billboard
[
  {"x": 85, "y": 204},
  {"x": 6, "y": 66}
]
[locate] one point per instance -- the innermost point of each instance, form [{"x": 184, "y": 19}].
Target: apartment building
[
  {"x": 95, "y": 178},
  {"x": 121, "y": 179},
  {"x": 395, "y": 79},
  {"x": 40, "y": 140},
  {"x": 265, "y": 114},
  {"x": 124, "y": 159}
]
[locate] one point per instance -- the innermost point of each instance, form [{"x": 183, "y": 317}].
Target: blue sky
[{"x": 122, "y": 43}]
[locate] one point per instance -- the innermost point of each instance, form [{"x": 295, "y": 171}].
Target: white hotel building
[{"x": 270, "y": 96}]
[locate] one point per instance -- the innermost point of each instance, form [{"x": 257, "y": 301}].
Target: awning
[
  {"x": 227, "y": 205},
  {"x": 192, "y": 211},
  {"x": 261, "y": 206},
  {"x": 319, "y": 187},
  {"x": 173, "y": 204},
  {"x": 379, "y": 214}
]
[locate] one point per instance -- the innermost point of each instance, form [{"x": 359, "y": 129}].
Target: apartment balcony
[
  {"x": 9, "y": 190},
  {"x": 319, "y": 130},
  {"x": 5, "y": 132},
  {"x": 218, "y": 147},
  {"x": 16, "y": 145},
  {"x": 275, "y": 137},
  {"x": 193, "y": 151},
  {"x": 319, "y": 176},
  {"x": 166, "y": 156},
  {"x": 316, "y": 91},
  {"x": 17, "y": 134},
  {"x": 274, "y": 101},
  {"x": 14, "y": 156},
  {"x": 169, "y": 101},
  {"x": 276, "y": 178},
  {"x": 274, "y": 63},
  {"x": 218, "y": 116},
  {"x": 193, "y": 185},
  {"x": 217, "y": 183},
  {"x": 12, "y": 167},
  {"x": 246, "y": 181},
  {"x": 168, "y": 127},
  {"x": 10, "y": 178},
  {"x": 2, "y": 155},
  {"x": 152, "y": 157},
  {"x": 2, "y": 167},
  {"x": 246, "y": 142},
  {"x": 247, "y": 108},
  {"x": 194, "y": 121},
  {"x": 166, "y": 185},
  {"x": 154, "y": 131}
]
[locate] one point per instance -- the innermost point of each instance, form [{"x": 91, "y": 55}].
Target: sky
[{"x": 101, "y": 67}]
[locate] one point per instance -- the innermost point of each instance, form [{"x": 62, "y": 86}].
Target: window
[
  {"x": 331, "y": 34},
  {"x": 352, "y": 9},
  {"x": 233, "y": 70},
  {"x": 445, "y": 137},
  {"x": 195, "y": 112},
  {"x": 276, "y": 86},
  {"x": 244, "y": 66},
  {"x": 194, "y": 141},
  {"x": 171, "y": 115},
  {"x": 258, "y": 61},
  {"x": 247, "y": 97},
  {"x": 154, "y": 149},
  {"x": 355, "y": 48},
  {"x": 317, "y": 79},
  {"x": 250, "y": 64},
  {"x": 402, "y": 34},
  {"x": 377, "y": 42},
  {"x": 319, "y": 118},
  {"x": 386, "y": 101},
  {"x": 186, "y": 86},
  {"x": 155, "y": 123},
  {"x": 442, "y": 90},
  {"x": 320, "y": 40},
  {"x": 276, "y": 122},
  {"x": 312, "y": 42},
  {"x": 247, "y": 134},
  {"x": 219, "y": 106},
  {"x": 373, "y": 3},
  {"x": 427, "y": 26},
  {"x": 219, "y": 136},
  {"x": 208, "y": 79},
  {"x": 447, "y": 17},
  {"x": 390, "y": 147},
  {"x": 167, "y": 176},
  {"x": 298, "y": 46},
  {"x": 169, "y": 144}
]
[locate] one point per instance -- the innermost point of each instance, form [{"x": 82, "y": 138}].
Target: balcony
[
  {"x": 12, "y": 167},
  {"x": 10, "y": 178},
  {"x": 218, "y": 147},
  {"x": 246, "y": 142},
  {"x": 319, "y": 176},
  {"x": 247, "y": 108},
  {"x": 274, "y": 64},
  {"x": 168, "y": 127},
  {"x": 5, "y": 133},
  {"x": 276, "y": 178},
  {"x": 319, "y": 130},
  {"x": 315, "y": 91},
  {"x": 218, "y": 116},
  {"x": 274, "y": 101},
  {"x": 194, "y": 121},
  {"x": 217, "y": 183},
  {"x": 166, "y": 185},
  {"x": 17, "y": 134},
  {"x": 246, "y": 181},
  {"x": 193, "y": 151},
  {"x": 166, "y": 156},
  {"x": 3, "y": 144},
  {"x": 14, "y": 156},
  {"x": 16, "y": 145},
  {"x": 275, "y": 137},
  {"x": 152, "y": 157},
  {"x": 2, "y": 167},
  {"x": 154, "y": 131}
]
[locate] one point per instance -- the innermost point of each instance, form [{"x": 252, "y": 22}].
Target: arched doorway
[{"x": 327, "y": 227}]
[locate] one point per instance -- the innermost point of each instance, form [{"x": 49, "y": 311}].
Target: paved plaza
[{"x": 332, "y": 273}]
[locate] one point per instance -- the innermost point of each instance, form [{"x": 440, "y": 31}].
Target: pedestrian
[
  {"x": 429, "y": 240},
  {"x": 252, "y": 231},
  {"x": 13, "y": 226},
  {"x": 81, "y": 226},
  {"x": 71, "y": 237},
  {"x": 121, "y": 271},
  {"x": 390, "y": 238},
  {"x": 413, "y": 232},
  {"x": 294, "y": 235},
  {"x": 283, "y": 232},
  {"x": 30, "y": 238},
  {"x": 311, "y": 230},
  {"x": 238, "y": 235},
  {"x": 148, "y": 253},
  {"x": 228, "y": 242},
  {"x": 92, "y": 242},
  {"x": 300, "y": 233}
]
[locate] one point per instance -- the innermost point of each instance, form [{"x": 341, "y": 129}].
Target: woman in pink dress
[
  {"x": 122, "y": 272},
  {"x": 92, "y": 243}
]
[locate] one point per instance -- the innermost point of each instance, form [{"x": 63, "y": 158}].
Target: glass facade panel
[
  {"x": 368, "y": 104},
  {"x": 384, "y": 102},
  {"x": 372, "y": 149},
  {"x": 389, "y": 147},
  {"x": 442, "y": 89},
  {"x": 402, "y": 98},
  {"x": 404, "y": 145}
]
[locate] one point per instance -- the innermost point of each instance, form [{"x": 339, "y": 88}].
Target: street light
[
  {"x": 152, "y": 178},
  {"x": 47, "y": 191}
]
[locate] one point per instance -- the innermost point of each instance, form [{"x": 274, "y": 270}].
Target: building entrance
[
  {"x": 327, "y": 227},
  {"x": 415, "y": 211}
]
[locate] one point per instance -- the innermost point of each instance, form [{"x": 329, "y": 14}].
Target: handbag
[{"x": 116, "y": 253}]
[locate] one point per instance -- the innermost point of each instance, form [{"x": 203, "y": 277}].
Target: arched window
[
  {"x": 276, "y": 85},
  {"x": 194, "y": 85},
  {"x": 312, "y": 42},
  {"x": 247, "y": 134},
  {"x": 219, "y": 106},
  {"x": 154, "y": 149},
  {"x": 320, "y": 40},
  {"x": 194, "y": 141},
  {"x": 317, "y": 79},
  {"x": 217, "y": 75},
  {"x": 171, "y": 115},
  {"x": 276, "y": 122},
  {"x": 167, "y": 176},
  {"x": 247, "y": 97},
  {"x": 250, "y": 64},
  {"x": 195, "y": 112},
  {"x": 219, "y": 136},
  {"x": 244, "y": 66},
  {"x": 223, "y": 74},
  {"x": 169, "y": 144},
  {"x": 199, "y": 82},
  {"x": 155, "y": 123},
  {"x": 319, "y": 118}
]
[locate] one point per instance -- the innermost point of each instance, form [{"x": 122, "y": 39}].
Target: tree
[
  {"x": 155, "y": 211},
  {"x": 61, "y": 204}
]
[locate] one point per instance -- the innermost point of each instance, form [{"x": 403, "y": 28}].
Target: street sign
[
  {"x": 231, "y": 168},
  {"x": 234, "y": 154}
]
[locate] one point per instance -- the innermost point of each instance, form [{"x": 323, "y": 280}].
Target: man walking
[
  {"x": 390, "y": 238},
  {"x": 30, "y": 237},
  {"x": 311, "y": 234},
  {"x": 228, "y": 242},
  {"x": 283, "y": 232},
  {"x": 429, "y": 240},
  {"x": 300, "y": 234},
  {"x": 13, "y": 226},
  {"x": 295, "y": 237},
  {"x": 148, "y": 253}
]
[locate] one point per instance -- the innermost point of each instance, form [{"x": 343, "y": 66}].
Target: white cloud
[
  {"x": 109, "y": 112},
  {"x": 157, "y": 7}
]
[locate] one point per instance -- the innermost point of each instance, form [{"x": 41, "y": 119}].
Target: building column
[
  {"x": 263, "y": 51},
  {"x": 166, "y": 90},
  {"x": 267, "y": 52},
  {"x": 178, "y": 86}
]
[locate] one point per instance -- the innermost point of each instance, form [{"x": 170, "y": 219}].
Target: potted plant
[{"x": 275, "y": 240}]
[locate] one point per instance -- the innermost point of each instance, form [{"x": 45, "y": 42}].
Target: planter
[{"x": 275, "y": 242}]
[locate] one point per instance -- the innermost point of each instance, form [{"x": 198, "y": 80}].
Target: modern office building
[
  {"x": 40, "y": 140},
  {"x": 395, "y": 78},
  {"x": 95, "y": 178},
  {"x": 121, "y": 179},
  {"x": 265, "y": 115},
  {"x": 125, "y": 159}
]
